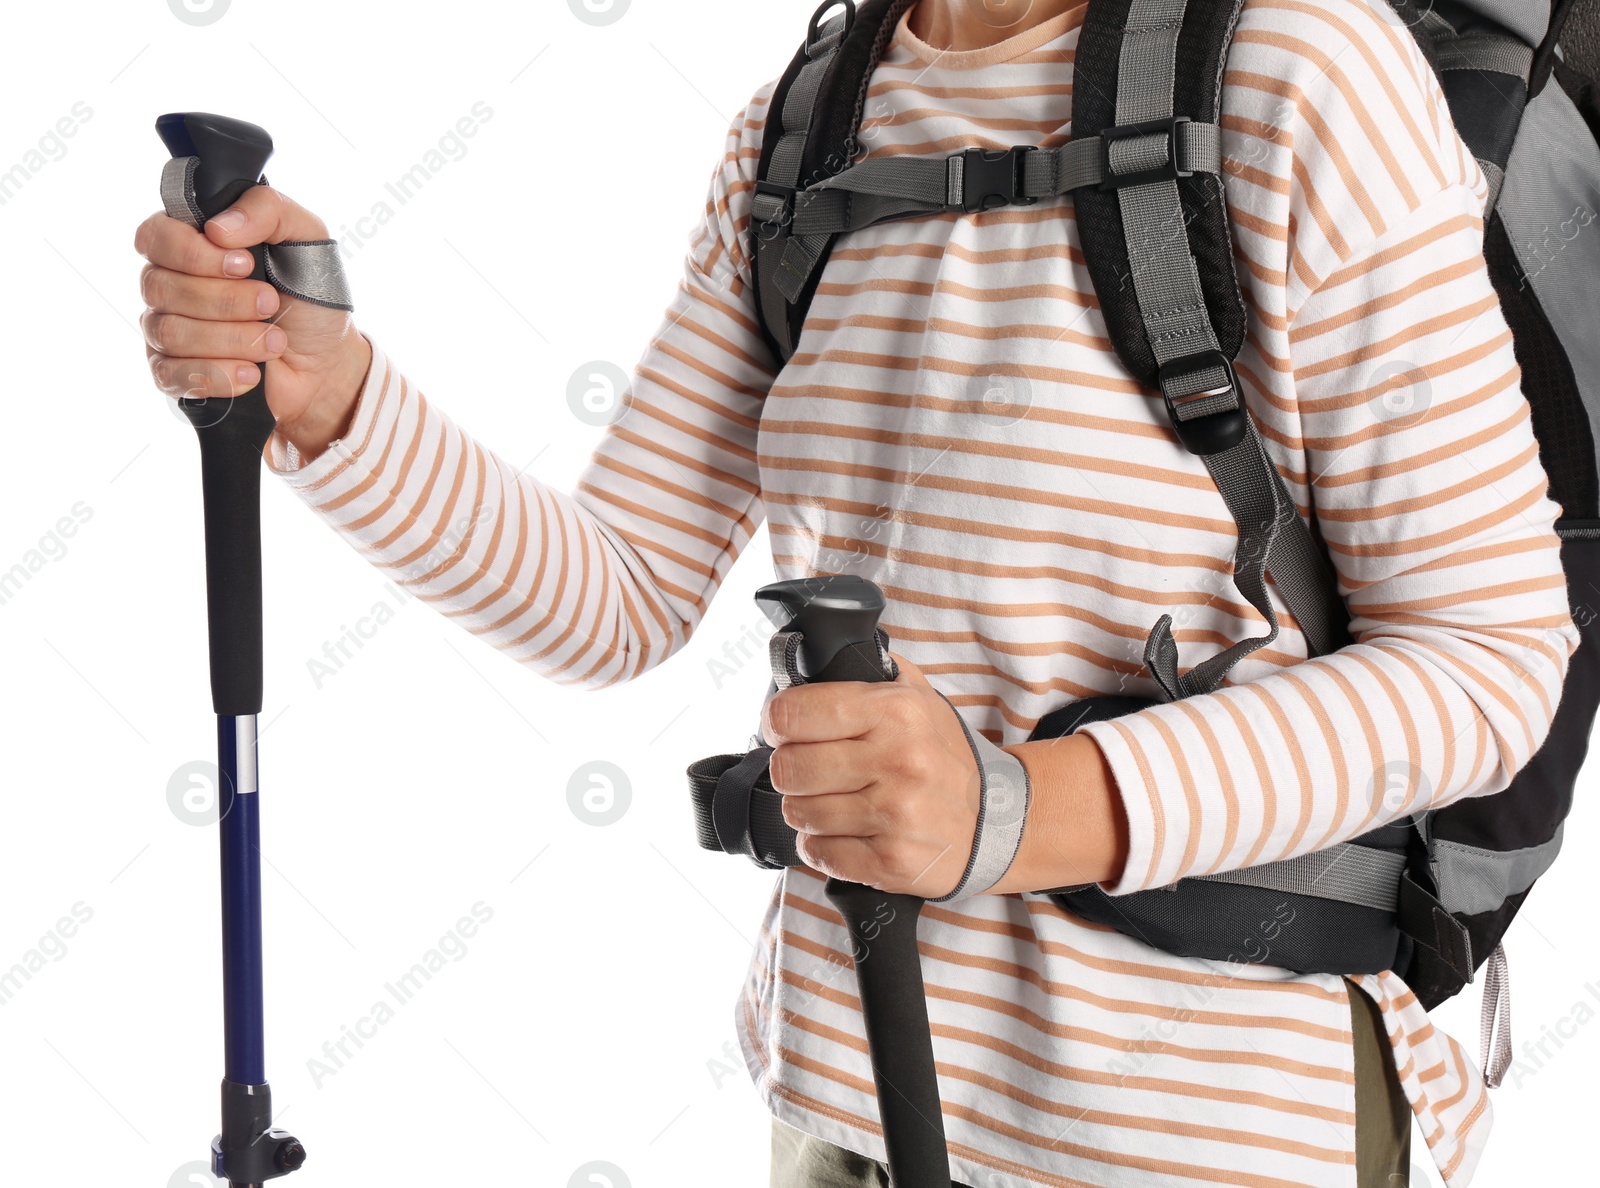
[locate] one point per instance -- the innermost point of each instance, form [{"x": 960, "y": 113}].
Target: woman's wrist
[
  {"x": 1076, "y": 831},
  {"x": 329, "y": 416}
]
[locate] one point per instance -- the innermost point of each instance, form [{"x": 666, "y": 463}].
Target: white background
[{"x": 591, "y": 1018}]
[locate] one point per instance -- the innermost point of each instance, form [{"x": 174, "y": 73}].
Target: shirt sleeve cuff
[
  {"x": 372, "y": 423},
  {"x": 1142, "y": 805}
]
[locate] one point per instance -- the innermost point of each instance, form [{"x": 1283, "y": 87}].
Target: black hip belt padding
[
  {"x": 737, "y": 811},
  {"x": 1231, "y": 922}
]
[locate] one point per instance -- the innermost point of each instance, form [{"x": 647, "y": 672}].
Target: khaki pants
[{"x": 1383, "y": 1124}]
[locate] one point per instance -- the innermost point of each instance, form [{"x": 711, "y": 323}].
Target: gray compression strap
[
  {"x": 1496, "y": 53},
  {"x": 307, "y": 270},
  {"x": 1344, "y": 873},
  {"x": 1003, "y": 796}
]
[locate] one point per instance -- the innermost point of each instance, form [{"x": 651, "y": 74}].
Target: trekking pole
[
  {"x": 836, "y": 621},
  {"x": 215, "y": 160}
]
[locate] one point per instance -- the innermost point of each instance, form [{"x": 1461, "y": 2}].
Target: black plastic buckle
[
  {"x": 993, "y": 177},
  {"x": 1214, "y": 432},
  {"x": 1112, "y": 180}
]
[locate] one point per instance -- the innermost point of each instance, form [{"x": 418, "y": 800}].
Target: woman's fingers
[
  {"x": 181, "y": 337},
  {"x": 203, "y": 378},
  {"x": 214, "y": 299},
  {"x": 168, "y": 243}
]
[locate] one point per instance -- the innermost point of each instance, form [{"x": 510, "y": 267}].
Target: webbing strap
[
  {"x": 1162, "y": 268},
  {"x": 880, "y": 189},
  {"x": 309, "y": 270},
  {"x": 1497, "y": 53},
  {"x": 1345, "y": 873},
  {"x": 1495, "y": 1043}
]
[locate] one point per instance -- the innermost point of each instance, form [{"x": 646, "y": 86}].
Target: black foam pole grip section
[
  {"x": 232, "y": 432},
  {"x": 838, "y": 620},
  {"x": 894, "y": 1008}
]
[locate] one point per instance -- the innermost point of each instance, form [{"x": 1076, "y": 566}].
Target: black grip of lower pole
[
  {"x": 232, "y": 432},
  {"x": 837, "y": 618},
  {"x": 894, "y": 1008}
]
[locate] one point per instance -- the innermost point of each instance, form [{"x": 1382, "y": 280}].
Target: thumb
[{"x": 263, "y": 215}]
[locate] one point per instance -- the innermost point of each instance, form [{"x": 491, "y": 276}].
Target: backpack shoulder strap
[
  {"x": 1160, "y": 256},
  {"x": 810, "y": 135}
]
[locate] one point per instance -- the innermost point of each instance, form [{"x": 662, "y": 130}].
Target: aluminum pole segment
[{"x": 242, "y": 1000}]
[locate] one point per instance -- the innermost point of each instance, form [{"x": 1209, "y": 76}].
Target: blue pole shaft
[{"x": 242, "y": 1005}]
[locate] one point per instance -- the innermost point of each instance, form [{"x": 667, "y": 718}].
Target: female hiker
[{"x": 1025, "y": 546}]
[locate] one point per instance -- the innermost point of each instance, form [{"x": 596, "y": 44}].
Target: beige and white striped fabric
[{"x": 956, "y": 427}]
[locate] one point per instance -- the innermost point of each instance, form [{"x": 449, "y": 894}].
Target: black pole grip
[
  {"x": 837, "y": 618},
  {"x": 232, "y": 432}
]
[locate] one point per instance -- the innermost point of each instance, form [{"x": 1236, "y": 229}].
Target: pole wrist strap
[
  {"x": 1003, "y": 796},
  {"x": 307, "y": 270}
]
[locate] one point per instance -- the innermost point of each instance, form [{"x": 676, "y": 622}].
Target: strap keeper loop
[{"x": 1169, "y": 170}]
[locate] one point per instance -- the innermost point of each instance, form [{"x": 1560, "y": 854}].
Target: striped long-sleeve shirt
[{"x": 1026, "y": 546}]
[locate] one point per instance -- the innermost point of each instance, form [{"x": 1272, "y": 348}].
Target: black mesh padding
[
  {"x": 836, "y": 117},
  {"x": 844, "y": 91},
  {"x": 1560, "y": 422},
  {"x": 1237, "y": 924},
  {"x": 1583, "y": 92},
  {"x": 1202, "y": 51},
  {"x": 1487, "y": 109},
  {"x": 1580, "y": 40}
]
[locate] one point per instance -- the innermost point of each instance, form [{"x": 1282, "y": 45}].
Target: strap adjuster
[
  {"x": 1203, "y": 433},
  {"x": 772, "y": 209},
  {"x": 1168, "y": 170},
  {"x": 992, "y": 178}
]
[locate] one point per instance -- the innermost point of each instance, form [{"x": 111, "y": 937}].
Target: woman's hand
[
  {"x": 879, "y": 779},
  {"x": 210, "y": 330}
]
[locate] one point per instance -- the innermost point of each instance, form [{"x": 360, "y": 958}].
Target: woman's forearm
[{"x": 1076, "y": 831}]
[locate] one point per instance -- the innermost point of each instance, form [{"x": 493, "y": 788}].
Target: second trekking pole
[{"x": 828, "y": 630}]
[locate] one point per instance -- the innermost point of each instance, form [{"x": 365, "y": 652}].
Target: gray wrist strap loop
[
  {"x": 177, "y": 191},
  {"x": 1003, "y": 796},
  {"x": 310, "y": 270},
  {"x": 307, "y": 270}
]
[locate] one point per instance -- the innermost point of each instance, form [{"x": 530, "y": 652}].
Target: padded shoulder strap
[
  {"x": 1171, "y": 55},
  {"x": 810, "y": 136},
  {"x": 1159, "y": 253}
]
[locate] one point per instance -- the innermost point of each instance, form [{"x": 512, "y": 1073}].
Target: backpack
[{"x": 1430, "y": 897}]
